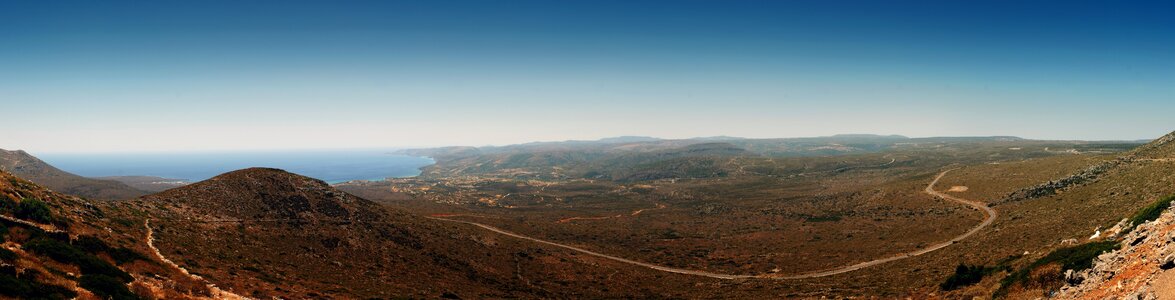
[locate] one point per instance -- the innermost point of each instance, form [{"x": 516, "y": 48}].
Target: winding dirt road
[{"x": 990, "y": 216}]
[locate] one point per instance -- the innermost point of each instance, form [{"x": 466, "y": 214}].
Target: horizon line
[{"x": 426, "y": 146}]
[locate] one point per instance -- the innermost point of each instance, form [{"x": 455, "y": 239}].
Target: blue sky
[{"x": 245, "y": 75}]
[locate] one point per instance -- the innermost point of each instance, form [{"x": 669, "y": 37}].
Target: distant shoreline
[{"x": 332, "y": 167}]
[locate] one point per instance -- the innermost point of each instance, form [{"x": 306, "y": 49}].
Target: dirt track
[
  {"x": 216, "y": 292},
  {"x": 990, "y": 216}
]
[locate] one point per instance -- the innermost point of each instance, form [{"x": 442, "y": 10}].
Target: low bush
[
  {"x": 121, "y": 255},
  {"x": 25, "y": 286},
  {"x": 1075, "y": 258},
  {"x": 7, "y": 255},
  {"x": 107, "y": 287},
  {"x": 66, "y": 253},
  {"x": 33, "y": 209},
  {"x": 1150, "y": 212},
  {"x": 7, "y": 205},
  {"x": 965, "y": 275}
]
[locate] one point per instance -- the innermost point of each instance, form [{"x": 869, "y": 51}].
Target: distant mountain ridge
[
  {"x": 645, "y": 158},
  {"x": 151, "y": 184},
  {"x": 31, "y": 168}
]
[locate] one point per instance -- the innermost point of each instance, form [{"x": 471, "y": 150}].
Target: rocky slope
[
  {"x": 28, "y": 167},
  {"x": 1156, "y": 150},
  {"x": 1160, "y": 147},
  {"x": 1142, "y": 269},
  {"x": 54, "y": 246}
]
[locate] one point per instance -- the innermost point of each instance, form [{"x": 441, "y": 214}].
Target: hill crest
[{"x": 269, "y": 194}]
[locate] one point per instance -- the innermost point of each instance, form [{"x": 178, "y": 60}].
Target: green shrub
[
  {"x": 26, "y": 287},
  {"x": 825, "y": 218},
  {"x": 7, "y": 205},
  {"x": 33, "y": 209},
  {"x": 1079, "y": 257},
  {"x": 90, "y": 244},
  {"x": 121, "y": 255},
  {"x": 1150, "y": 212},
  {"x": 7, "y": 255},
  {"x": 66, "y": 253},
  {"x": 124, "y": 255},
  {"x": 106, "y": 287},
  {"x": 1075, "y": 258},
  {"x": 964, "y": 275}
]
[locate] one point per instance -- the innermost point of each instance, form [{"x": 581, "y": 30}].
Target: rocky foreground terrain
[{"x": 1141, "y": 269}]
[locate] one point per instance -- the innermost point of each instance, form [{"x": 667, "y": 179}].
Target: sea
[{"x": 331, "y": 166}]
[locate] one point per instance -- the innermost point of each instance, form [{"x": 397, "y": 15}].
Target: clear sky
[{"x": 235, "y": 75}]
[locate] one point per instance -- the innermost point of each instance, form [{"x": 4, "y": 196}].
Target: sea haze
[{"x": 329, "y": 166}]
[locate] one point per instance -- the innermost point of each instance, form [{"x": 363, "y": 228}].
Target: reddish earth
[{"x": 1140, "y": 270}]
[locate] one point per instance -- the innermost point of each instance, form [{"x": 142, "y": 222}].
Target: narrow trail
[
  {"x": 990, "y": 216},
  {"x": 565, "y": 220},
  {"x": 633, "y": 214},
  {"x": 216, "y": 292},
  {"x": 45, "y": 227},
  {"x": 593, "y": 253},
  {"x": 639, "y": 211}
]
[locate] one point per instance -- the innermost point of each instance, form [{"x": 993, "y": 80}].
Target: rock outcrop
[
  {"x": 1157, "y": 146},
  {"x": 1141, "y": 269},
  {"x": 1053, "y": 186}
]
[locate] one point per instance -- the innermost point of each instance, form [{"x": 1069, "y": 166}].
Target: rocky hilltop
[
  {"x": 28, "y": 167},
  {"x": 258, "y": 194},
  {"x": 1157, "y": 148}
]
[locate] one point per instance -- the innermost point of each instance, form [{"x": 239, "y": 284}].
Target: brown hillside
[
  {"x": 269, "y": 194},
  {"x": 267, "y": 233},
  {"x": 54, "y": 246},
  {"x": 28, "y": 167}
]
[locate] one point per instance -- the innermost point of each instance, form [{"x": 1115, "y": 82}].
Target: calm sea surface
[{"x": 329, "y": 166}]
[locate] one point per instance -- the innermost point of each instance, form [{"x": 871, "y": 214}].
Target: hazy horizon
[
  {"x": 329, "y": 166},
  {"x": 393, "y": 149},
  {"x": 222, "y": 75}
]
